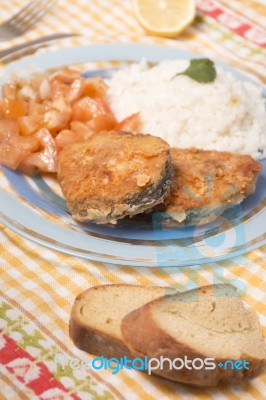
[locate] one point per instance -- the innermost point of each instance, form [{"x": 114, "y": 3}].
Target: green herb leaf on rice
[{"x": 201, "y": 70}]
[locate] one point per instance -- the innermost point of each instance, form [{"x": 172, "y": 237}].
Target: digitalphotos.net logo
[{"x": 146, "y": 364}]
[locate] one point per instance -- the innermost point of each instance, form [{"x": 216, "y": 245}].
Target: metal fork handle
[{"x": 15, "y": 49}]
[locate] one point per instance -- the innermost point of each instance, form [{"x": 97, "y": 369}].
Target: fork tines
[{"x": 24, "y": 19}]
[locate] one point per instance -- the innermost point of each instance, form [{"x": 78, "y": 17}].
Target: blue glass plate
[{"x": 44, "y": 218}]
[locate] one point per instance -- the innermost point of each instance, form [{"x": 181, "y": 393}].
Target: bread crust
[
  {"x": 139, "y": 325},
  {"x": 95, "y": 341}
]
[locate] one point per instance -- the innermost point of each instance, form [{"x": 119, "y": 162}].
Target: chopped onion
[
  {"x": 44, "y": 89},
  {"x": 27, "y": 92}
]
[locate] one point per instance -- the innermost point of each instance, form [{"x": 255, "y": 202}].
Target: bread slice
[
  {"x": 97, "y": 314},
  {"x": 209, "y": 322}
]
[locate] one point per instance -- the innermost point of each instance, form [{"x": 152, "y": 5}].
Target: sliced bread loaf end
[
  {"x": 210, "y": 322},
  {"x": 97, "y": 313}
]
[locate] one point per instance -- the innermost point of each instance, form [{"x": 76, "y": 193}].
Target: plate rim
[
  {"x": 121, "y": 52},
  {"x": 102, "y": 52}
]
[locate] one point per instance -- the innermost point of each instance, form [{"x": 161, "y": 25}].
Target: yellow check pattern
[{"x": 43, "y": 283}]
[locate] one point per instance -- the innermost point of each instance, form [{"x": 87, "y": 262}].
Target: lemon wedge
[{"x": 165, "y": 18}]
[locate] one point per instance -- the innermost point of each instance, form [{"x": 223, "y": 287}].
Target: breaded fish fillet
[
  {"x": 113, "y": 175},
  {"x": 207, "y": 183}
]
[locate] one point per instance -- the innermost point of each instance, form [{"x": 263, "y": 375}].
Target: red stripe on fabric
[
  {"x": 215, "y": 12},
  {"x": 233, "y": 22},
  {"x": 35, "y": 375},
  {"x": 242, "y": 29}
]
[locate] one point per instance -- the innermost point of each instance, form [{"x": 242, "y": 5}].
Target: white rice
[{"x": 227, "y": 114}]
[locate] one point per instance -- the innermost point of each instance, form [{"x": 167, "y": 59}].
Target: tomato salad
[{"x": 40, "y": 116}]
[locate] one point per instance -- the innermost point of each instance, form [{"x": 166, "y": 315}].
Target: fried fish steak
[
  {"x": 207, "y": 183},
  {"x": 114, "y": 174}
]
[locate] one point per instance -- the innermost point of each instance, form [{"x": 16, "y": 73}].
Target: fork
[
  {"x": 19, "y": 50},
  {"x": 24, "y": 19}
]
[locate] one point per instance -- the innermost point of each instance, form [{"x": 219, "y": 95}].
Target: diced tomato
[
  {"x": 29, "y": 124},
  {"x": 10, "y": 156},
  {"x": 94, "y": 87},
  {"x": 68, "y": 82},
  {"x": 12, "y": 108},
  {"x": 14, "y": 151},
  {"x": 55, "y": 121},
  {"x": 129, "y": 124},
  {"x": 81, "y": 127},
  {"x": 8, "y": 128},
  {"x": 67, "y": 137},
  {"x": 64, "y": 138},
  {"x": 34, "y": 164},
  {"x": 81, "y": 131},
  {"x": 104, "y": 122},
  {"x": 75, "y": 90},
  {"x": 44, "y": 90},
  {"x": 60, "y": 103},
  {"x": 87, "y": 108},
  {"x": 58, "y": 89},
  {"x": 27, "y": 93},
  {"x": 9, "y": 91},
  {"x": 42, "y": 115},
  {"x": 82, "y": 109},
  {"x": 49, "y": 149},
  {"x": 66, "y": 75},
  {"x": 36, "y": 81},
  {"x": 26, "y": 144},
  {"x": 36, "y": 108},
  {"x": 14, "y": 148},
  {"x": 102, "y": 107},
  {"x": 44, "y": 160}
]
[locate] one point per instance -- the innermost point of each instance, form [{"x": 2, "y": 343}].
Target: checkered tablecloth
[{"x": 38, "y": 285}]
